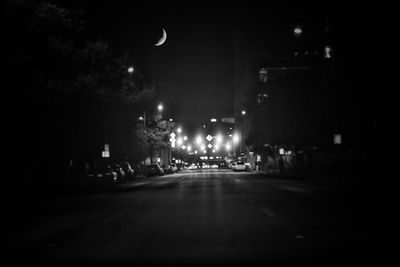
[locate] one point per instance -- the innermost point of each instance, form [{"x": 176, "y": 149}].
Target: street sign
[
  {"x": 281, "y": 151},
  {"x": 337, "y": 139},
  {"x": 209, "y": 138},
  {"x": 327, "y": 52},
  {"x": 172, "y": 140},
  {"x": 105, "y": 154},
  {"x": 209, "y": 146}
]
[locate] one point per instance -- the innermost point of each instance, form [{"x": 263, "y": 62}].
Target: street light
[
  {"x": 143, "y": 118},
  {"x": 297, "y": 31},
  {"x": 228, "y": 146},
  {"x": 243, "y": 112},
  {"x": 236, "y": 138},
  {"x": 179, "y": 130},
  {"x": 199, "y": 140},
  {"x": 160, "y": 107},
  {"x": 219, "y": 139},
  {"x": 179, "y": 141},
  {"x": 131, "y": 69}
]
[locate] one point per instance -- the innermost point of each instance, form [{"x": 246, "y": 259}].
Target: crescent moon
[{"x": 162, "y": 39}]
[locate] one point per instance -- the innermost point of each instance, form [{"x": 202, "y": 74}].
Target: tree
[
  {"x": 63, "y": 87},
  {"x": 154, "y": 136}
]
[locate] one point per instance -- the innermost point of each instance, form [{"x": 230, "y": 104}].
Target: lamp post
[
  {"x": 144, "y": 120},
  {"x": 243, "y": 129}
]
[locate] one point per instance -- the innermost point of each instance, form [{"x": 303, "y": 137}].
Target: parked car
[
  {"x": 154, "y": 169},
  {"x": 174, "y": 167},
  {"x": 248, "y": 166},
  {"x": 129, "y": 172},
  {"x": 103, "y": 173},
  {"x": 194, "y": 167},
  {"x": 238, "y": 166},
  {"x": 167, "y": 168}
]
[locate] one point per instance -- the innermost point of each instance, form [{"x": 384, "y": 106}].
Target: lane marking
[
  {"x": 293, "y": 189},
  {"x": 140, "y": 184},
  {"x": 268, "y": 212}
]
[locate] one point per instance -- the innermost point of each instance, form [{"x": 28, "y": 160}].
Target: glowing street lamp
[
  {"x": 199, "y": 140},
  {"x": 160, "y": 107},
  {"x": 185, "y": 138},
  {"x": 189, "y": 148},
  {"x": 179, "y": 130},
  {"x": 179, "y": 141},
  {"x": 297, "y": 31},
  {"x": 236, "y": 138},
  {"x": 228, "y": 146},
  {"x": 219, "y": 139},
  {"x": 243, "y": 112},
  {"x": 131, "y": 69}
]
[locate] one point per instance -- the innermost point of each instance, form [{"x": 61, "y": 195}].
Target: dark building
[{"x": 303, "y": 88}]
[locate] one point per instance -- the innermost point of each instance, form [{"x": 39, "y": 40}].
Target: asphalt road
[{"x": 218, "y": 217}]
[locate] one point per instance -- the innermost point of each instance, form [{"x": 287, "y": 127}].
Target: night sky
[{"x": 197, "y": 60}]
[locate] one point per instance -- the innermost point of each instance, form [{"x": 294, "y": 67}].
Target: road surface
[{"x": 202, "y": 217}]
